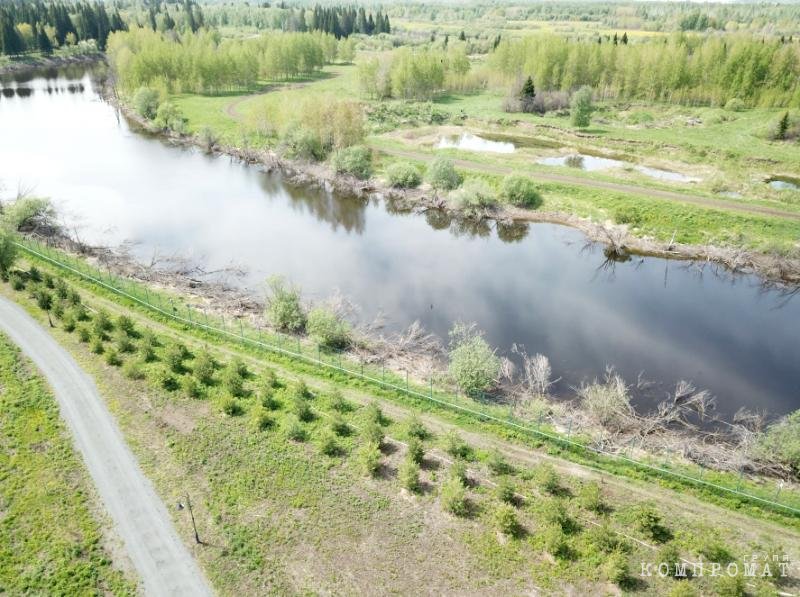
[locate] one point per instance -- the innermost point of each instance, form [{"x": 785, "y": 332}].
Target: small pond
[
  {"x": 472, "y": 142},
  {"x": 593, "y": 163},
  {"x": 784, "y": 183}
]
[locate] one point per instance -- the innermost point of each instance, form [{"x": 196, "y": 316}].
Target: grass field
[
  {"x": 51, "y": 537},
  {"x": 285, "y": 506},
  {"x": 727, "y": 151}
]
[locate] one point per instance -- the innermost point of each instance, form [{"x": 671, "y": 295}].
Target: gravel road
[{"x": 163, "y": 562}]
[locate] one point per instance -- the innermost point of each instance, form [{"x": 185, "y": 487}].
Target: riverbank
[
  {"x": 22, "y": 65},
  {"x": 620, "y": 241}
]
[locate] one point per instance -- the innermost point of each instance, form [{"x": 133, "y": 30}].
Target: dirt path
[
  {"x": 162, "y": 561},
  {"x": 603, "y": 185},
  {"x": 749, "y": 526}
]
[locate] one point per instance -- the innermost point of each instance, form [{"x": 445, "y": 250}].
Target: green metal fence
[{"x": 765, "y": 496}]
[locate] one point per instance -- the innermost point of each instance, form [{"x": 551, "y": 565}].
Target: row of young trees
[
  {"x": 682, "y": 69},
  {"x": 204, "y": 63},
  {"x": 413, "y": 74},
  {"x": 28, "y": 26}
]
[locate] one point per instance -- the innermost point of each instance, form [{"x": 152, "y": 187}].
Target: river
[{"x": 537, "y": 285}]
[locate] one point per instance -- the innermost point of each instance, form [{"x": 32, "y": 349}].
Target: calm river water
[{"x": 537, "y": 286}]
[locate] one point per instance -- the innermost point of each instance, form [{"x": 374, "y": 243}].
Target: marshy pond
[{"x": 538, "y": 285}]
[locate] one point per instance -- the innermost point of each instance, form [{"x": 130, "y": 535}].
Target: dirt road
[{"x": 163, "y": 562}]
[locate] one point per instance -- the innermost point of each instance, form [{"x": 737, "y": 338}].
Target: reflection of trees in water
[
  {"x": 336, "y": 210},
  {"x": 471, "y": 228},
  {"x": 512, "y": 232},
  {"x": 574, "y": 161},
  {"x": 438, "y": 219}
]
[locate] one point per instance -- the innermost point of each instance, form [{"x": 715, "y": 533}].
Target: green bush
[
  {"x": 416, "y": 452},
  {"x": 260, "y": 420},
  {"x": 84, "y": 335},
  {"x": 581, "y": 107},
  {"x": 231, "y": 407},
  {"x": 520, "y": 191},
  {"x": 649, "y": 522},
  {"x": 203, "y": 367},
  {"x": 284, "y": 310},
  {"x": 403, "y": 175},
  {"x": 415, "y": 428},
  {"x": 683, "y": 589},
  {"x": 356, "y": 160},
  {"x": 17, "y": 281},
  {"x": 372, "y": 433},
  {"x": 453, "y": 497},
  {"x": 327, "y": 328},
  {"x": 458, "y": 470},
  {"x": 590, "y": 496},
  {"x": 455, "y": 446},
  {"x": 145, "y": 102},
  {"x": 267, "y": 380},
  {"x": 339, "y": 426},
  {"x": 408, "y": 473},
  {"x": 374, "y": 414},
  {"x": 615, "y": 568},
  {"x": 299, "y": 390},
  {"x": 547, "y": 478},
  {"x": 68, "y": 323},
  {"x": 125, "y": 325},
  {"x": 302, "y": 410},
  {"x": 124, "y": 342},
  {"x": 555, "y": 543},
  {"x": 730, "y": 586},
  {"x": 113, "y": 358},
  {"x": 505, "y": 520},
  {"x": 473, "y": 364},
  {"x": 328, "y": 444},
  {"x": 97, "y": 346},
  {"x": 170, "y": 118},
  {"x": 133, "y": 370},
  {"x": 338, "y": 402},
  {"x": 442, "y": 175},
  {"x": 294, "y": 429},
  {"x": 300, "y": 143},
  {"x": 497, "y": 463},
  {"x": 781, "y": 442},
  {"x": 475, "y": 193},
  {"x": 163, "y": 378},
  {"x": 368, "y": 457},
  {"x": 190, "y": 386},
  {"x": 174, "y": 355},
  {"x": 101, "y": 324},
  {"x": 734, "y": 105},
  {"x": 232, "y": 381},
  {"x": 505, "y": 491}
]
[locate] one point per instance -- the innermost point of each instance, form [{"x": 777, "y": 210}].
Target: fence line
[{"x": 41, "y": 252}]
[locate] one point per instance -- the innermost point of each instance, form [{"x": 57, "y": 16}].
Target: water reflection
[
  {"x": 471, "y": 142},
  {"x": 524, "y": 284},
  {"x": 593, "y": 163}
]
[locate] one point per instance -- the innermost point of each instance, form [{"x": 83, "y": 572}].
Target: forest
[
  {"x": 685, "y": 69},
  {"x": 203, "y": 62}
]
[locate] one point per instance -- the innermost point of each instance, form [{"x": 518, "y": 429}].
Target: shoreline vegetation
[{"x": 682, "y": 428}]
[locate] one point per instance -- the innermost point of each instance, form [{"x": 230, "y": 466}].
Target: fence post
[
  {"x": 319, "y": 354},
  {"x": 407, "y": 381},
  {"x": 569, "y": 428},
  {"x": 539, "y": 423},
  {"x": 241, "y": 330},
  {"x": 431, "y": 387},
  {"x": 739, "y": 482}
]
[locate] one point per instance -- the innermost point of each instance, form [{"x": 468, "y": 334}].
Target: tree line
[
  {"x": 417, "y": 74},
  {"x": 30, "y": 26},
  {"x": 339, "y": 21},
  {"x": 689, "y": 69},
  {"x": 203, "y": 62}
]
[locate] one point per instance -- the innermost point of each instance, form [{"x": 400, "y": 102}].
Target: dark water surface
[{"x": 535, "y": 285}]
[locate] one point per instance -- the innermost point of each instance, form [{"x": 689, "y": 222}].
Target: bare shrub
[{"x": 607, "y": 401}]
